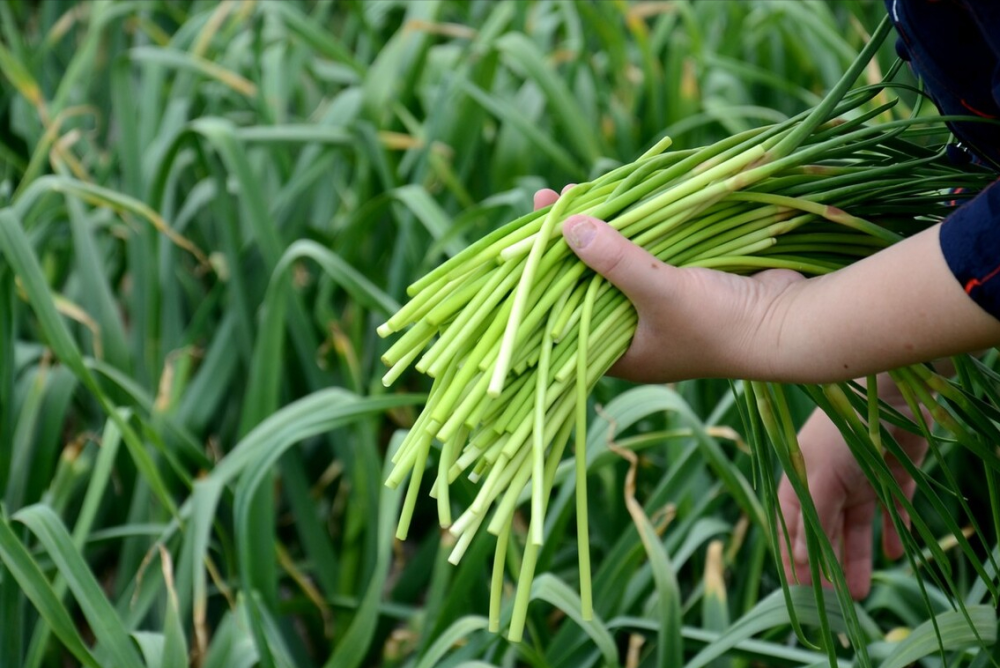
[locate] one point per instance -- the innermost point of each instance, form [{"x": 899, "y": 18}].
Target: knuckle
[{"x": 613, "y": 263}]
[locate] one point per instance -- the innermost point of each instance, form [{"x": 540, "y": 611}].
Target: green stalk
[
  {"x": 470, "y": 366},
  {"x": 703, "y": 241},
  {"x": 504, "y": 512},
  {"x": 464, "y": 540},
  {"x": 484, "y": 443},
  {"x": 719, "y": 212},
  {"x": 524, "y": 579},
  {"x": 831, "y": 213},
  {"x": 414, "y": 309},
  {"x": 538, "y": 449},
  {"x": 496, "y": 583},
  {"x": 822, "y": 112},
  {"x": 468, "y": 287},
  {"x": 700, "y": 188},
  {"x": 523, "y": 289},
  {"x": 582, "y": 527},
  {"x": 457, "y": 420},
  {"x": 530, "y": 558},
  {"x": 448, "y": 454},
  {"x": 744, "y": 264},
  {"x": 475, "y": 313},
  {"x": 401, "y": 365},
  {"x": 469, "y": 256},
  {"x": 406, "y": 515},
  {"x": 419, "y": 333}
]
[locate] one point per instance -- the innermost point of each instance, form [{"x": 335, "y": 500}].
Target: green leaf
[
  {"x": 151, "y": 645},
  {"x": 551, "y": 589},
  {"x": 509, "y": 113},
  {"x": 955, "y": 631},
  {"x": 525, "y": 54},
  {"x": 36, "y": 588},
  {"x": 450, "y": 637},
  {"x": 771, "y": 613},
  {"x": 353, "y": 646},
  {"x": 99, "y": 612},
  {"x": 15, "y": 247}
]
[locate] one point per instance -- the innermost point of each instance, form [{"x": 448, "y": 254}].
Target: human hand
[
  {"x": 872, "y": 315},
  {"x": 693, "y": 322},
  {"x": 875, "y": 314},
  {"x": 845, "y": 501}
]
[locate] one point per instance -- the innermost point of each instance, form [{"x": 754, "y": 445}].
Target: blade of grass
[
  {"x": 36, "y": 588},
  {"x": 15, "y": 247},
  {"x": 350, "y": 652},
  {"x": 100, "y": 615},
  {"x": 551, "y": 589}
]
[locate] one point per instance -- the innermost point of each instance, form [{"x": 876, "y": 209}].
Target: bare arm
[{"x": 900, "y": 306}]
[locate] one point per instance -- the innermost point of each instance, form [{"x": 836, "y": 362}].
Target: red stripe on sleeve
[{"x": 978, "y": 282}]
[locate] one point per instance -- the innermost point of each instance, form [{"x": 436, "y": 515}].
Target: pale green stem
[
  {"x": 496, "y": 584},
  {"x": 406, "y": 514},
  {"x": 502, "y": 280},
  {"x": 538, "y": 440},
  {"x": 829, "y": 212},
  {"x": 459, "y": 297},
  {"x": 397, "y": 369},
  {"x": 527, "y": 573},
  {"x": 413, "y": 337},
  {"x": 464, "y": 540},
  {"x": 414, "y": 309},
  {"x": 747, "y": 245},
  {"x": 582, "y": 527},
  {"x": 449, "y": 452},
  {"x": 677, "y": 247},
  {"x": 474, "y": 454}
]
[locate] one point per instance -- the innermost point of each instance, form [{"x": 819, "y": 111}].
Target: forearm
[{"x": 901, "y": 306}]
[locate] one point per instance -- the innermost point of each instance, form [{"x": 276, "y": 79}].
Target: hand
[
  {"x": 875, "y": 314},
  {"x": 845, "y": 501},
  {"x": 693, "y": 322}
]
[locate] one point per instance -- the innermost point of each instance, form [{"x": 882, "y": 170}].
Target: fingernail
[{"x": 579, "y": 231}]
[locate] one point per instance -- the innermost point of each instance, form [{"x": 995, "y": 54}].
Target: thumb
[{"x": 630, "y": 268}]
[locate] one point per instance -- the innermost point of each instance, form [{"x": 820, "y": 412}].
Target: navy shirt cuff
[{"x": 970, "y": 241}]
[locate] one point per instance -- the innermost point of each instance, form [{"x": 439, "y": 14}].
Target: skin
[{"x": 898, "y": 307}]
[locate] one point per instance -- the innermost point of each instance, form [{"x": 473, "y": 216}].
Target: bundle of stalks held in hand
[{"x": 516, "y": 330}]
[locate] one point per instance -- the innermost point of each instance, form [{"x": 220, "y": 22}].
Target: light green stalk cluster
[{"x": 516, "y": 331}]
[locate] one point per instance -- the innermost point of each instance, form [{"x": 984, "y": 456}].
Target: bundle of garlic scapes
[{"x": 516, "y": 330}]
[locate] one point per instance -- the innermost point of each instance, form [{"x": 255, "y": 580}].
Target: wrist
[{"x": 771, "y": 351}]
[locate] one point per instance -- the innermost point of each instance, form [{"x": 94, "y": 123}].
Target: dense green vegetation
[{"x": 207, "y": 208}]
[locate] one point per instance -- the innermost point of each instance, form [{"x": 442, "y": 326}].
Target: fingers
[
  {"x": 546, "y": 196},
  {"x": 632, "y": 269},
  {"x": 791, "y": 512},
  {"x": 916, "y": 447},
  {"x": 847, "y": 529},
  {"x": 892, "y": 544},
  {"x": 858, "y": 549},
  {"x": 845, "y": 503}
]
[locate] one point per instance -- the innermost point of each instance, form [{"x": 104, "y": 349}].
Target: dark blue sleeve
[
  {"x": 970, "y": 241},
  {"x": 954, "y": 47}
]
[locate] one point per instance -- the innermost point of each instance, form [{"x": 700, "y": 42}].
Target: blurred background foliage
[{"x": 205, "y": 210}]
